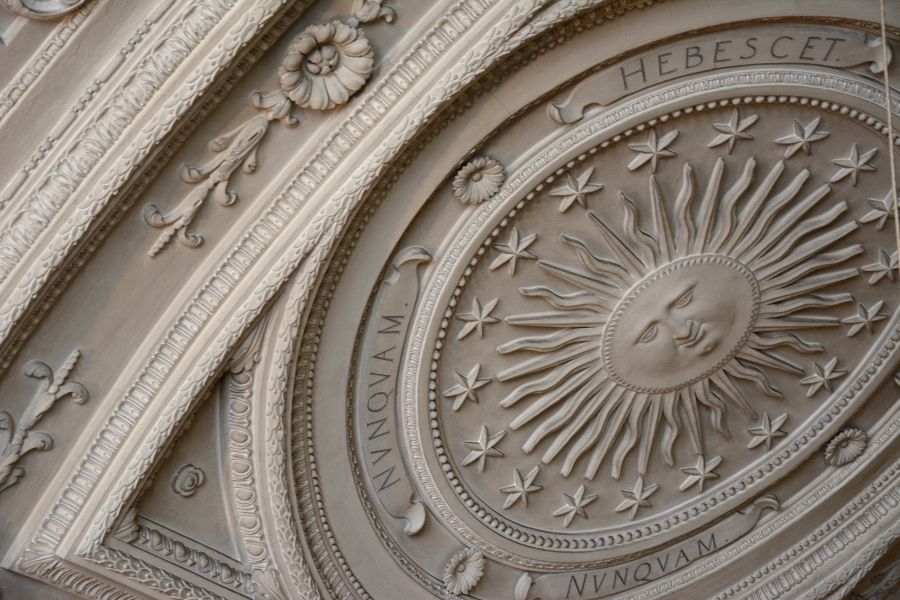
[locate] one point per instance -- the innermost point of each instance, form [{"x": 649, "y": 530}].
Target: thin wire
[{"x": 890, "y": 127}]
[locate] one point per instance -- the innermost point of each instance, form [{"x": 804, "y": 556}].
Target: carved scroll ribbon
[
  {"x": 377, "y": 422},
  {"x": 614, "y": 580},
  {"x": 746, "y": 46}
]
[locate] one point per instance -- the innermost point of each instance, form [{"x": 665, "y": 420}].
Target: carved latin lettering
[
  {"x": 691, "y": 53},
  {"x": 808, "y": 46},
  {"x": 834, "y": 42},
  {"x": 639, "y": 71},
  {"x": 394, "y": 326},
  {"x": 750, "y": 43},
  {"x": 720, "y": 46},
  {"x": 704, "y": 548},
  {"x": 662, "y": 60},
  {"x": 777, "y": 41},
  {"x": 380, "y": 428},
  {"x": 386, "y": 480},
  {"x": 377, "y": 401},
  {"x": 384, "y": 355}
]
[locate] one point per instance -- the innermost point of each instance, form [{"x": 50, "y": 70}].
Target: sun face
[{"x": 653, "y": 322}]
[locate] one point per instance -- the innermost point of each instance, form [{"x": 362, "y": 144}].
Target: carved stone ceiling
[{"x": 527, "y": 299}]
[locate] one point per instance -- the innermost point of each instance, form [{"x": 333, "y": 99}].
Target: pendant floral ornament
[
  {"x": 463, "y": 571},
  {"x": 478, "y": 180},
  {"x": 324, "y": 67}
]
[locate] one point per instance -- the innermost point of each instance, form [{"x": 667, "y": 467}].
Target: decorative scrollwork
[{"x": 15, "y": 442}]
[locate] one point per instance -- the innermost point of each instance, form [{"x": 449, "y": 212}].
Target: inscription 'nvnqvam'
[
  {"x": 376, "y": 390},
  {"x": 601, "y": 583}
]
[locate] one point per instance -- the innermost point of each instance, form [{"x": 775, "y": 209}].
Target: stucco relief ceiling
[{"x": 470, "y": 299}]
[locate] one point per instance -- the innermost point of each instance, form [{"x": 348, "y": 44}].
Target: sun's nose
[{"x": 685, "y": 331}]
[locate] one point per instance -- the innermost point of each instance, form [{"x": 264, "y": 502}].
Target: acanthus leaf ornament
[
  {"x": 323, "y": 68},
  {"x": 16, "y": 441},
  {"x": 233, "y": 149}
]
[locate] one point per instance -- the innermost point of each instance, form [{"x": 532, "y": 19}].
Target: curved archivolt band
[{"x": 578, "y": 400}]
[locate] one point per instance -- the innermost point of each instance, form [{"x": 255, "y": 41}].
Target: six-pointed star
[
  {"x": 521, "y": 487},
  {"x": 821, "y": 377},
  {"x": 767, "y": 431},
  {"x": 477, "y": 318},
  {"x": 885, "y": 267},
  {"x": 700, "y": 472},
  {"x": 636, "y": 497},
  {"x": 652, "y": 150},
  {"x": 735, "y": 129},
  {"x": 574, "y": 505},
  {"x": 853, "y": 164},
  {"x": 802, "y": 138},
  {"x": 514, "y": 249},
  {"x": 576, "y": 190},
  {"x": 465, "y": 388},
  {"x": 483, "y": 447},
  {"x": 865, "y": 318},
  {"x": 882, "y": 210}
]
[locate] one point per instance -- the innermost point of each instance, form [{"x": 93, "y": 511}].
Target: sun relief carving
[
  {"x": 664, "y": 323},
  {"x": 680, "y": 311}
]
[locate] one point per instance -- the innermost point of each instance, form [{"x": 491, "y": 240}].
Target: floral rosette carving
[
  {"x": 478, "y": 180},
  {"x": 325, "y": 65},
  {"x": 463, "y": 571},
  {"x": 846, "y": 446},
  {"x": 187, "y": 480}
]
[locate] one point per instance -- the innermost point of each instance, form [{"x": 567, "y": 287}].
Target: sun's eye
[
  {"x": 648, "y": 334},
  {"x": 684, "y": 299}
]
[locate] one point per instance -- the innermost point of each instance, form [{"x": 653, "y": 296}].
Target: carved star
[
  {"x": 767, "y": 431},
  {"x": 574, "y": 505},
  {"x": 652, "y": 150},
  {"x": 865, "y": 318},
  {"x": 821, "y": 377},
  {"x": 636, "y": 497},
  {"x": 576, "y": 190},
  {"x": 465, "y": 388},
  {"x": 883, "y": 209},
  {"x": 735, "y": 129},
  {"x": 477, "y": 318},
  {"x": 802, "y": 138},
  {"x": 514, "y": 249},
  {"x": 700, "y": 472},
  {"x": 886, "y": 266},
  {"x": 853, "y": 164},
  {"x": 483, "y": 447},
  {"x": 521, "y": 487}
]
